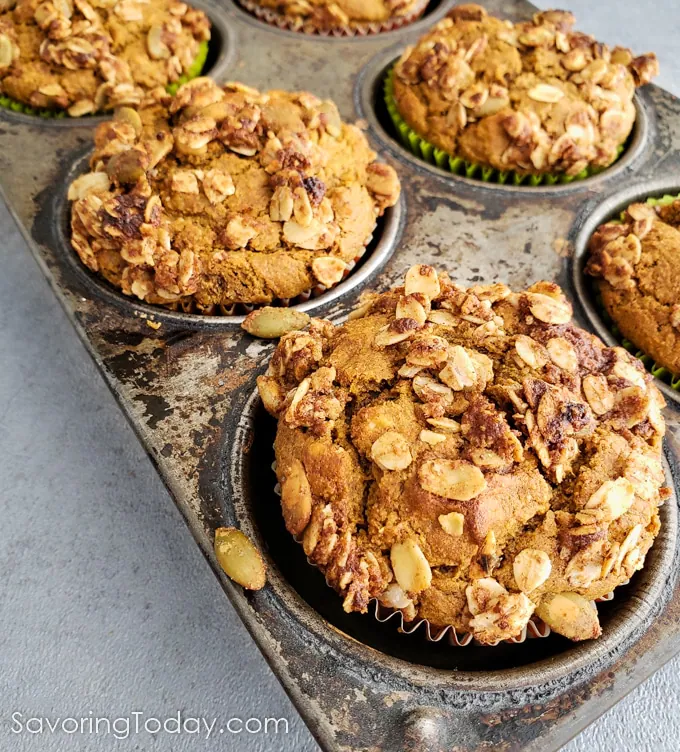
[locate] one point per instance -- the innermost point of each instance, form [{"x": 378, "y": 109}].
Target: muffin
[
  {"x": 218, "y": 196},
  {"x": 88, "y": 56},
  {"x": 635, "y": 263},
  {"x": 339, "y": 16},
  {"x": 533, "y": 98},
  {"x": 467, "y": 456}
]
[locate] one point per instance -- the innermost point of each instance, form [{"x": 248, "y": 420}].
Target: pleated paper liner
[
  {"x": 42, "y": 112},
  {"x": 657, "y": 370},
  {"x": 243, "y": 309},
  {"x": 195, "y": 69},
  {"x": 281, "y": 21},
  {"x": 428, "y": 152},
  {"x": 536, "y": 629}
]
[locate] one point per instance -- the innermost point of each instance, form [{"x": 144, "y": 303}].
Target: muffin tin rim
[
  {"x": 371, "y": 77},
  {"x": 219, "y": 19},
  {"x": 626, "y": 628},
  {"x": 590, "y": 218},
  {"x": 388, "y": 233}
]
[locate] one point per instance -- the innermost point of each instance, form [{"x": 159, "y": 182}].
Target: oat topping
[
  {"x": 86, "y": 57},
  {"x": 468, "y": 482},
  {"x": 635, "y": 264},
  {"x": 227, "y": 195},
  {"x": 534, "y": 97}
]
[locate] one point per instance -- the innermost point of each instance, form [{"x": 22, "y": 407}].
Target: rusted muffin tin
[{"x": 188, "y": 390}]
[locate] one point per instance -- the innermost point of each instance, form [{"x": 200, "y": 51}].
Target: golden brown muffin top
[
  {"x": 467, "y": 456},
  {"x": 636, "y": 262},
  {"x": 228, "y": 195},
  {"x": 534, "y": 97},
  {"x": 327, "y": 15},
  {"x": 92, "y": 55}
]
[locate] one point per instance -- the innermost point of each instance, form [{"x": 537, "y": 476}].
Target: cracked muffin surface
[
  {"x": 228, "y": 195},
  {"x": 534, "y": 97},
  {"x": 87, "y": 56},
  {"x": 467, "y": 456},
  {"x": 636, "y": 265},
  {"x": 328, "y": 15}
]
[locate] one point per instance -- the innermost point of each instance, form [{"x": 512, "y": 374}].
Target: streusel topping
[
  {"x": 226, "y": 195},
  {"x": 534, "y": 97},
  {"x": 87, "y": 56},
  {"x": 636, "y": 263},
  {"x": 467, "y": 456}
]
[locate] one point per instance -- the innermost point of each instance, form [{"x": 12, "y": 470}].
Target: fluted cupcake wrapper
[
  {"x": 430, "y": 153},
  {"x": 281, "y": 21},
  {"x": 657, "y": 370},
  {"x": 535, "y": 628},
  {"x": 194, "y": 71}
]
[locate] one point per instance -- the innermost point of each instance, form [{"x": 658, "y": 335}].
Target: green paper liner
[
  {"x": 658, "y": 371},
  {"x": 428, "y": 152},
  {"x": 194, "y": 71}
]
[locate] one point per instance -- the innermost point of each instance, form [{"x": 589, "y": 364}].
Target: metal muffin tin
[{"x": 188, "y": 390}]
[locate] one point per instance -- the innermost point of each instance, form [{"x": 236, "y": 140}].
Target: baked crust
[
  {"x": 636, "y": 263},
  {"x": 88, "y": 56},
  {"x": 329, "y": 15},
  {"x": 228, "y": 195},
  {"x": 533, "y": 97},
  {"x": 467, "y": 456}
]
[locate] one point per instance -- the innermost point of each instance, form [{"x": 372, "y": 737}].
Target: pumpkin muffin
[
  {"x": 88, "y": 56},
  {"x": 636, "y": 266},
  {"x": 225, "y": 195},
  {"x": 467, "y": 456},
  {"x": 347, "y": 16},
  {"x": 534, "y": 97}
]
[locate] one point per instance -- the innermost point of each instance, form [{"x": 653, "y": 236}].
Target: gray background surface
[{"x": 106, "y": 605}]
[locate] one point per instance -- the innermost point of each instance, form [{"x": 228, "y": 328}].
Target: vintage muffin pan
[{"x": 188, "y": 388}]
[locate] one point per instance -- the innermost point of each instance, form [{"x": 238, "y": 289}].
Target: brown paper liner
[
  {"x": 536, "y": 629},
  {"x": 281, "y": 21}
]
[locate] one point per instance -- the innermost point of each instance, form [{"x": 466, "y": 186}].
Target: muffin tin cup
[
  {"x": 214, "y": 62},
  {"x": 535, "y": 628},
  {"x": 586, "y": 287},
  {"x": 283, "y": 22},
  {"x": 196, "y": 70},
  {"x": 373, "y": 98},
  {"x": 301, "y": 586},
  {"x": 423, "y": 149},
  {"x": 379, "y": 246}
]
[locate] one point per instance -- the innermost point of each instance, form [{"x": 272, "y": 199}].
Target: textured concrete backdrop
[{"x": 106, "y": 605}]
